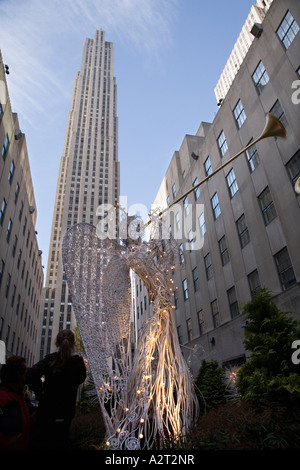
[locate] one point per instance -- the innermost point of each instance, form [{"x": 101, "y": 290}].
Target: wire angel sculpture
[{"x": 146, "y": 395}]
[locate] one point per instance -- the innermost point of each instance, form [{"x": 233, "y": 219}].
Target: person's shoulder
[{"x": 76, "y": 357}]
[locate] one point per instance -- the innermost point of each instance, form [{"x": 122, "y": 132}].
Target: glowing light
[{"x": 101, "y": 268}]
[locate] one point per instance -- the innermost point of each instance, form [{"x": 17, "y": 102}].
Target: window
[
  {"x": 208, "y": 266},
  {"x": 195, "y": 279},
  {"x": 287, "y": 30},
  {"x": 177, "y": 220},
  {"x": 254, "y": 283},
  {"x": 176, "y": 298},
  {"x": 8, "y": 232},
  {"x": 13, "y": 296},
  {"x": 202, "y": 224},
  {"x": 11, "y": 173},
  {"x": 279, "y": 113},
  {"x": 285, "y": 269},
  {"x": 186, "y": 205},
  {"x": 201, "y": 322},
  {"x": 222, "y": 144},
  {"x": 207, "y": 166},
  {"x": 267, "y": 206},
  {"x": 293, "y": 168},
  {"x": 215, "y": 313},
  {"x": 239, "y": 114},
  {"x": 215, "y": 206},
  {"x": 174, "y": 190},
  {"x": 181, "y": 253},
  {"x": 189, "y": 329},
  {"x": 223, "y": 251},
  {"x": 21, "y": 211},
  {"x": 7, "y": 285},
  {"x": 260, "y": 77},
  {"x": 243, "y": 231},
  {"x": 191, "y": 240},
  {"x": 231, "y": 183},
  {"x": 233, "y": 303},
  {"x": 24, "y": 225},
  {"x": 196, "y": 190},
  {"x": 252, "y": 157},
  {"x": 185, "y": 289},
  {"x": 14, "y": 246},
  {"x": 2, "y": 211},
  {"x": 5, "y": 147},
  {"x": 17, "y": 192}
]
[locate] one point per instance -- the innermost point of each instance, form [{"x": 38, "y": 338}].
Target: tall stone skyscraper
[{"x": 88, "y": 173}]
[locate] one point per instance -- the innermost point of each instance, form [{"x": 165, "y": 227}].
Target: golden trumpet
[{"x": 273, "y": 128}]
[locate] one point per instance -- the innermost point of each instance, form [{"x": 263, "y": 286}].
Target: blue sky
[{"x": 168, "y": 56}]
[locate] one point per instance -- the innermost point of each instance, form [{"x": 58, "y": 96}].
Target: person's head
[
  {"x": 13, "y": 373},
  {"x": 65, "y": 338},
  {"x": 65, "y": 341}
]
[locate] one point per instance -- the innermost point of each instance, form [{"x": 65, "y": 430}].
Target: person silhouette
[
  {"x": 55, "y": 380},
  {"x": 15, "y": 416}
]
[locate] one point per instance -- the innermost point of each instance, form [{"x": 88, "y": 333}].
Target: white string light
[{"x": 148, "y": 397}]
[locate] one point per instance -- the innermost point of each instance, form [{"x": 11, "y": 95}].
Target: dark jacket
[{"x": 57, "y": 394}]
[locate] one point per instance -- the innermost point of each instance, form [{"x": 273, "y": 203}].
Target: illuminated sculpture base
[{"x": 146, "y": 396}]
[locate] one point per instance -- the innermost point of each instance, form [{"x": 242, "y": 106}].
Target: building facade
[
  {"x": 21, "y": 272},
  {"x": 248, "y": 213},
  {"x": 88, "y": 174},
  {"x": 250, "y": 30}
]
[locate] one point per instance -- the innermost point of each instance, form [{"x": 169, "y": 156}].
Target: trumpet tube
[{"x": 273, "y": 128}]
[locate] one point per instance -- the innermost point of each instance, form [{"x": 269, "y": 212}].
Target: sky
[{"x": 168, "y": 57}]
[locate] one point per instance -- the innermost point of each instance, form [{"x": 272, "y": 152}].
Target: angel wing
[{"x": 99, "y": 283}]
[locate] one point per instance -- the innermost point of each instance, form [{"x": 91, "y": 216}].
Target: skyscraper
[{"x": 88, "y": 173}]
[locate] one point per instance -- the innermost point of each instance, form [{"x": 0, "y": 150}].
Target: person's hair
[
  {"x": 65, "y": 342},
  {"x": 13, "y": 370}
]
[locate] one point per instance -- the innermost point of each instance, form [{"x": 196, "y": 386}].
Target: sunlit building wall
[
  {"x": 251, "y": 218},
  {"x": 250, "y": 30},
  {"x": 21, "y": 273},
  {"x": 88, "y": 174}
]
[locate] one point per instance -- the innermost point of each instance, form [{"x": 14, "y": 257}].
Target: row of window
[
  {"x": 286, "y": 275},
  {"x": 286, "y": 33},
  {"x": 251, "y": 156},
  {"x": 266, "y": 205},
  {"x": 15, "y": 345}
]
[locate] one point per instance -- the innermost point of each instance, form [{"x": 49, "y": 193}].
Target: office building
[
  {"x": 88, "y": 173},
  {"x": 21, "y": 273},
  {"x": 251, "y": 29},
  {"x": 250, "y": 220}
]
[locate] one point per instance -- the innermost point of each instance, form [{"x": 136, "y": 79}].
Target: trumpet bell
[
  {"x": 273, "y": 128},
  {"x": 297, "y": 186}
]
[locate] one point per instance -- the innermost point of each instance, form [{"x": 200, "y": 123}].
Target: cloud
[{"x": 42, "y": 42}]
